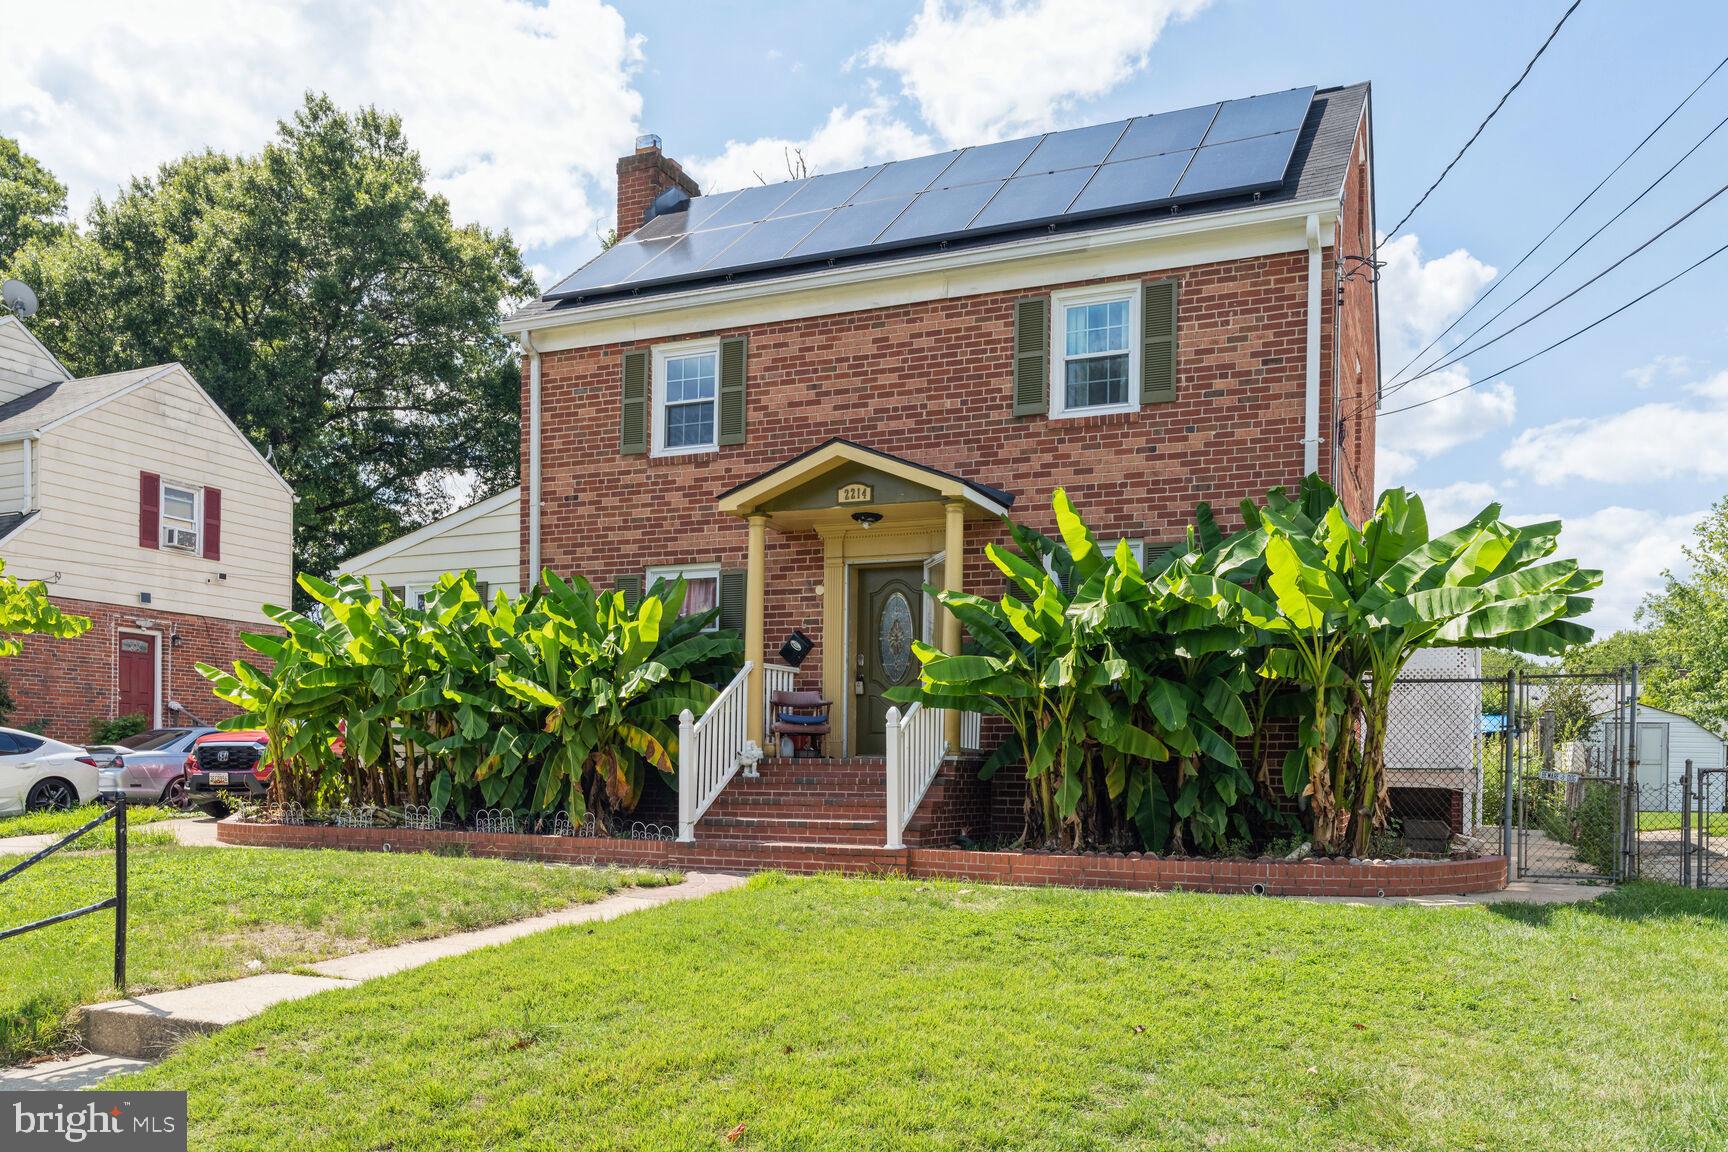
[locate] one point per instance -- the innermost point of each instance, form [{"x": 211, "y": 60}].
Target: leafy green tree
[
  {"x": 32, "y": 201},
  {"x": 328, "y": 303},
  {"x": 25, "y": 610}
]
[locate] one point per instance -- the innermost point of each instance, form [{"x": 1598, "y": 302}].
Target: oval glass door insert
[{"x": 894, "y": 635}]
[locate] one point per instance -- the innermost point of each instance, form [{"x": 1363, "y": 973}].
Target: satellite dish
[{"x": 20, "y": 300}]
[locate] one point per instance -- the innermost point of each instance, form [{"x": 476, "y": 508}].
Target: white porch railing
[
  {"x": 708, "y": 751},
  {"x": 914, "y": 752},
  {"x": 775, "y": 678},
  {"x": 971, "y": 731}
]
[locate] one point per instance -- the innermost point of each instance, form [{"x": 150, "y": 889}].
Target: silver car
[{"x": 149, "y": 768}]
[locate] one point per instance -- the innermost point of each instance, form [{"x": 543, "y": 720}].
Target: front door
[
  {"x": 885, "y": 622},
  {"x": 138, "y": 676}
]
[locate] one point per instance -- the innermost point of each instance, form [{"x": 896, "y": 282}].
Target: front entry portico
[{"x": 887, "y": 525}]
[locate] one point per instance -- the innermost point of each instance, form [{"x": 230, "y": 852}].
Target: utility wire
[
  {"x": 1564, "y": 339},
  {"x": 1515, "y": 301},
  {"x": 1480, "y": 300},
  {"x": 1501, "y": 104},
  {"x": 1471, "y": 351}
]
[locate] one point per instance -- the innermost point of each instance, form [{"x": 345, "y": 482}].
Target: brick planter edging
[{"x": 1131, "y": 871}]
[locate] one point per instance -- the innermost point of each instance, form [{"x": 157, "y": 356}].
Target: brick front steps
[{"x": 1132, "y": 871}]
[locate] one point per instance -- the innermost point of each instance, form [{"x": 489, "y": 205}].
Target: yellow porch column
[
  {"x": 756, "y": 579},
  {"x": 954, "y": 563}
]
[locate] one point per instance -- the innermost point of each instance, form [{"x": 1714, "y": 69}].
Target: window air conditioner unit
[{"x": 182, "y": 538}]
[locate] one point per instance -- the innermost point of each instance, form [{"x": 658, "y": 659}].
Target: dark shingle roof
[{"x": 1318, "y": 165}]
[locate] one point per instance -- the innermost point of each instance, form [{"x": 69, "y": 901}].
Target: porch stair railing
[
  {"x": 775, "y": 678},
  {"x": 915, "y": 749},
  {"x": 708, "y": 751}
]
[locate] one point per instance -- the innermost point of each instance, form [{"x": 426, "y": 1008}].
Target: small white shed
[
  {"x": 482, "y": 536},
  {"x": 1666, "y": 741},
  {"x": 1434, "y": 736}
]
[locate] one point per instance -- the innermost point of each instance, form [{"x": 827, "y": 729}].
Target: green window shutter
[
  {"x": 631, "y": 585},
  {"x": 1158, "y": 342},
  {"x": 732, "y": 359},
  {"x": 633, "y": 425},
  {"x": 1032, "y": 356},
  {"x": 734, "y": 590}
]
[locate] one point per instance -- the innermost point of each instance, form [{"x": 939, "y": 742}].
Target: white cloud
[
  {"x": 983, "y": 70},
  {"x": 850, "y": 138},
  {"x": 1632, "y": 547},
  {"x": 519, "y": 109},
  {"x": 1660, "y": 368},
  {"x": 1659, "y": 441},
  {"x": 1418, "y": 299},
  {"x": 1453, "y": 504}
]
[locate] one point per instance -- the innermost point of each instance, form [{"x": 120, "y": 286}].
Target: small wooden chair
[{"x": 803, "y": 717}]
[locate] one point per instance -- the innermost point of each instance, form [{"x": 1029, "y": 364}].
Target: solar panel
[
  {"x": 906, "y": 177},
  {"x": 1078, "y": 148},
  {"x": 1130, "y": 183},
  {"x": 988, "y": 162},
  {"x": 688, "y": 254},
  {"x": 1029, "y": 199},
  {"x": 1192, "y": 154},
  {"x": 1260, "y": 115},
  {"x": 851, "y": 227},
  {"x": 751, "y": 205},
  {"x": 1165, "y": 132},
  {"x": 940, "y": 212},
  {"x": 1238, "y": 166},
  {"x": 829, "y": 191}
]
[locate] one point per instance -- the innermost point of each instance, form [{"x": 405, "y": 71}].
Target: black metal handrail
[{"x": 117, "y": 901}]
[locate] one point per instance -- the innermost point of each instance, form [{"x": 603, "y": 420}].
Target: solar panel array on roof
[{"x": 1204, "y": 153}]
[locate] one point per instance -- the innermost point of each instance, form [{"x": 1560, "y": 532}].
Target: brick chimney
[{"x": 642, "y": 176}]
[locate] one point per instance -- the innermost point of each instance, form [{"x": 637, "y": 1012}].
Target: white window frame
[
  {"x": 689, "y": 572},
  {"x": 657, "y": 386},
  {"x": 164, "y": 521},
  {"x": 1060, "y": 302}
]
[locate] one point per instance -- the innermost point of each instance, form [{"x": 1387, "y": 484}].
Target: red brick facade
[
  {"x": 1134, "y": 870},
  {"x": 60, "y": 686}
]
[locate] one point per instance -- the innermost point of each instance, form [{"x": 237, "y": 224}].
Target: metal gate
[
  {"x": 1703, "y": 828},
  {"x": 1569, "y": 771}
]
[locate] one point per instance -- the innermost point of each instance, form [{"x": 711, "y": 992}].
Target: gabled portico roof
[{"x": 841, "y": 455}]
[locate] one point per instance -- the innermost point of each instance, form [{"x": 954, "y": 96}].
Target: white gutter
[
  {"x": 532, "y": 486},
  {"x": 29, "y": 468},
  {"x": 1311, "y": 401}
]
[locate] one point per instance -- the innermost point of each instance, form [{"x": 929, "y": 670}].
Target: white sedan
[{"x": 39, "y": 773}]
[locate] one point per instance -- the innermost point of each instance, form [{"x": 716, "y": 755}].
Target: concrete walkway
[
  {"x": 193, "y": 831},
  {"x": 125, "y": 1034}
]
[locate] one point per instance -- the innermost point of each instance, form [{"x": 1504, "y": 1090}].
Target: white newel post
[
  {"x": 892, "y": 754},
  {"x": 687, "y": 784}
]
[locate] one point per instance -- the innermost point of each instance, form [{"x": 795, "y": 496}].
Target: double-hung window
[
  {"x": 180, "y": 521},
  {"x": 701, "y": 586},
  {"x": 1096, "y": 365},
  {"x": 686, "y": 398}
]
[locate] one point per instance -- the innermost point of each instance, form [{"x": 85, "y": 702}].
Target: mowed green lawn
[
  {"x": 845, "y": 1015},
  {"x": 60, "y": 823},
  {"x": 1714, "y": 822},
  {"x": 202, "y": 914}
]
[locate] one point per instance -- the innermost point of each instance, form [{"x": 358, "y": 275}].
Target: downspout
[
  {"x": 1311, "y": 401},
  {"x": 532, "y": 480},
  {"x": 29, "y": 470}
]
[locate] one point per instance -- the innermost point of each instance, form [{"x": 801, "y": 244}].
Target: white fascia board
[
  {"x": 1137, "y": 248},
  {"x": 355, "y": 565}
]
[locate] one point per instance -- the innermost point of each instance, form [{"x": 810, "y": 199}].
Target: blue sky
[{"x": 521, "y": 108}]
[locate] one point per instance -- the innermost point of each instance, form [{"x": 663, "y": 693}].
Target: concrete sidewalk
[
  {"x": 193, "y": 831},
  {"x": 125, "y": 1034}
]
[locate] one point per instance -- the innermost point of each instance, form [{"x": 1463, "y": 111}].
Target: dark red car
[{"x": 226, "y": 766}]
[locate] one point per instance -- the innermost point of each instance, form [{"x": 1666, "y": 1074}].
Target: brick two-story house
[{"x": 812, "y": 398}]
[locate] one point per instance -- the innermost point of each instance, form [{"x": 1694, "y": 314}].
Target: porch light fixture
[{"x": 867, "y": 518}]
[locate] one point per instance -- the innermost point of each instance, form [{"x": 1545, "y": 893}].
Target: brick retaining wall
[{"x": 1132, "y": 871}]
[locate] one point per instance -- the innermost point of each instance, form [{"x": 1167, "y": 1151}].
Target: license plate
[{"x": 218, "y": 779}]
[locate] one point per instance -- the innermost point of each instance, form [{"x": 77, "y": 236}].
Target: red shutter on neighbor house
[
  {"x": 212, "y": 534},
  {"x": 149, "y": 510}
]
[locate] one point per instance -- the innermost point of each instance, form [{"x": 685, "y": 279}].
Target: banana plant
[{"x": 25, "y": 610}]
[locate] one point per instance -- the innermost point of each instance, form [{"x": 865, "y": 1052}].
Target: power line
[
  {"x": 1480, "y": 300},
  {"x": 1471, "y": 351},
  {"x": 1495, "y": 111},
  {"x": 1564, "y": 339}
]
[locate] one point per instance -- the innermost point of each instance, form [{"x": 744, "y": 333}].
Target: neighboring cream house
[
  {"x": 483, "y": 536},
  {"x": 139, "y": 504}
]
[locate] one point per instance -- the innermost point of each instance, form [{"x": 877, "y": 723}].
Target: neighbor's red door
[{"x": 138, "y": 676}]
